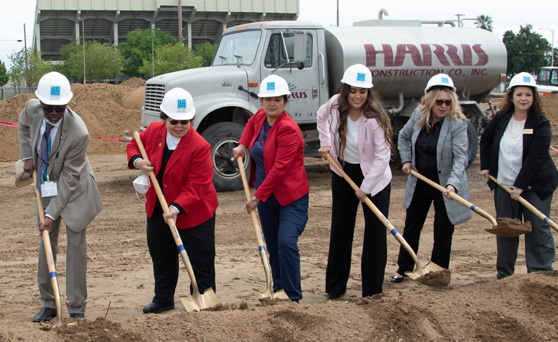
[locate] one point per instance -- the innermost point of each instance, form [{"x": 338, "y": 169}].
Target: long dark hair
[
  {"x": 536, "y": 108},
  {"x": 372, "y": 109}
]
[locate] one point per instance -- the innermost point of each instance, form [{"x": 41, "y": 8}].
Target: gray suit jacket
[
  {"x": 78, "y": 200},
  {"x": 451, "y": 159}
]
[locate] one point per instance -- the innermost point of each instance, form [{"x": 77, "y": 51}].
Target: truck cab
[
  {"x": 547, "y": 80},
  {"x": 225, "y": 94}
]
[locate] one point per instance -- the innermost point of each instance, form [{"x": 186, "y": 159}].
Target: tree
[
  {"x": 102, "y": 61},
  {"x": 206, "y": 51},
  {"x": 169, "y": 58},
  {"x": 36, "y": 67},
  {"x": 4, "y": 77},
  {"x": 137, "y": 48},
  {"x": 484, "y": 22},
  {"x": 526, "y": 50}
]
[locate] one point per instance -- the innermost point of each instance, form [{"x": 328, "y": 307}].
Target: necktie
[{"x": 44, "y": 152}]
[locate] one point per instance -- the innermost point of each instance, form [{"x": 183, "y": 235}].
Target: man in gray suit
[{"x": 53, "y": 139}]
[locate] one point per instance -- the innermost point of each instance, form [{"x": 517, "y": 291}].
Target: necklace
[{"x": 516, "y": 129}]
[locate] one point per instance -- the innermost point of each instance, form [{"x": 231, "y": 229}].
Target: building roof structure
[{"x": 58, "y": 22}]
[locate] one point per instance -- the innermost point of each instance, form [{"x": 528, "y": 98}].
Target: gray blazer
[
  {"x": 78, "y": 200},
  {"x": 451, "y": 159}
]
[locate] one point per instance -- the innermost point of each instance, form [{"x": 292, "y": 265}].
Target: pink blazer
[{"x": 373, "y": 151}]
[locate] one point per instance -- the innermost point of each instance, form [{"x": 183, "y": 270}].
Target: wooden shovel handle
[
  {"x": 48, "y": 252},
  {"x": 456, "y": 197},
  {"x": 528, "y": 205},
  {"x": 379, "y": 214}
]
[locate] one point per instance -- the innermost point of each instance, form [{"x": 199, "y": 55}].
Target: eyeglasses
[
  {"x": 57, "y": 109},
  {"x": 182, "y": 122},
  {"x": 441, "y": 102}
]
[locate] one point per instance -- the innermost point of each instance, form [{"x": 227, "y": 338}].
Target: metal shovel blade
[
  {"x": 202, "y": 301},
  {"x": 270, "y": 294},
  {"x": 434, "y": 275}
]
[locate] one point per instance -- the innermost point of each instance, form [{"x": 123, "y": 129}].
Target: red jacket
[
  {"x": 285, "y": 176},
  {"x": 188, "y": 175}
]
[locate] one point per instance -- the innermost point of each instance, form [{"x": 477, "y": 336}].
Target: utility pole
[
  {"x": 337, "y": 13},
  {"x": 83, "y": 43},
  {"x": 552, "y": 31},
  {"x": 26, "y": 59},
  {"x": 180, "y": 21}
]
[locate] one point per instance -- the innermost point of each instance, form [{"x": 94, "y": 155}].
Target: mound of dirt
[
  {"x": 108, "y": 110},
  {"x": 134, "y": 82}
]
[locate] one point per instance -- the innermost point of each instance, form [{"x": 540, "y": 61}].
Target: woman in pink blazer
[{"x": 356, "y": 131}]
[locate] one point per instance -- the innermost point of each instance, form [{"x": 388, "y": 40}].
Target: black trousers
[
  {"x": 343, "y": 218},
  {"x": 423, "y": 197},
  {"x": 199, "y": 243}
]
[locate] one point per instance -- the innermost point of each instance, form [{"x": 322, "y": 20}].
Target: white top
[
  {"x": 350, "y": 155},
  {"x": 511, "y": 153},
  {"x": 172, "y": 141}
]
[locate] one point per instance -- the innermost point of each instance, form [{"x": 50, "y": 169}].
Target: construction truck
[
  {"x": 547, "y": 80},
  {"x": 402, "y": 57}
]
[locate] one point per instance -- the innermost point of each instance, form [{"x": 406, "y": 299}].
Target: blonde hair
[{"x": 428, "y": 102}]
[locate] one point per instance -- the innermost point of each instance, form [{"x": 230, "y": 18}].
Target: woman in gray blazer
[{"x": 434, "y": 142}]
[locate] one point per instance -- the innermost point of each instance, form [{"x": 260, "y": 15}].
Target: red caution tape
[{"x": 3, "y": 123}]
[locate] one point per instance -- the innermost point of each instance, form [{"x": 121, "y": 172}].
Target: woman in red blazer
[
  {"x": 277, "y": 172},
  {"x": 181, "y": 160}
]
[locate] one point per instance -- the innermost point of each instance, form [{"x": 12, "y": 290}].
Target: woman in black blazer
[{"x": 514, "y": 149}]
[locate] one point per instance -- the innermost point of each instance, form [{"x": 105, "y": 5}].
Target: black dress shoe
[
  {"x": 77, "y": 315},
  {"x": 396, "y": 278},
  {"x": 334, "y": 295},
  {"x": 155, "y": 308},
  {"x": 44, "y": 315}
]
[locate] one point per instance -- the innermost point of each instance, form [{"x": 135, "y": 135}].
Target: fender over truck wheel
[{"x": 223, "y": 137}]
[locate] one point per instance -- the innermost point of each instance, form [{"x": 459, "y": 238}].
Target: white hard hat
[
  {"x": 272, "y": 86},
  {"x": 54, "y": 89},
  {"x": 439, "y": 80},
  {"x": 178, "y": 104},
  {"x": 358, "y": 75},
  {"x": 523, "y": 79}
]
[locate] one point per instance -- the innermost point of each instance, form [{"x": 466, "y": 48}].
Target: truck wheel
[
  {"x": 223, "y": 137},
  {"x": 473, "y": 137}
]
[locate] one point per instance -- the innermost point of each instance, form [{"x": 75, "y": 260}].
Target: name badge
[
  {"x": 528, "y": 131},
  {"x": 49, "y": 189}
]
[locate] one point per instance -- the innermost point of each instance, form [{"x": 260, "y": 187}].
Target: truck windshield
[{"x": 238, "y": 48}]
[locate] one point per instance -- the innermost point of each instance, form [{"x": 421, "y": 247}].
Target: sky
[{"x": 506, "y": 15}]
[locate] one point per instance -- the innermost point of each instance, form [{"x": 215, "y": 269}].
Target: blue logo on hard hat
[
  {"x": 445, "y": 80},
  {"x": 181, "y": 105},
  {"x": 361, "y": 77},
  {"x": 270, "y": 86},
  {"x": 527, "y": 79},
  {"x": 55, "y": 91}
]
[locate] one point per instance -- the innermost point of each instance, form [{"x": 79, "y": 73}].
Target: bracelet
[{"x": 254, "y": 198}]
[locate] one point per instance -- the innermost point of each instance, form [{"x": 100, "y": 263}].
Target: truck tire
[
  {"x": 223, "y": 137},
  {"x": 473, "y": 138}
]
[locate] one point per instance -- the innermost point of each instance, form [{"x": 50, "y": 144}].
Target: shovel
[
  {"x": 440, "y": 277},
  {"x": 49, "y": 256},
  {"x": 528, "y": 206},
  {"x": 197, "y": 301},
  {"x": 504, "y": 226},
  {"x": 268, "y": 293}
]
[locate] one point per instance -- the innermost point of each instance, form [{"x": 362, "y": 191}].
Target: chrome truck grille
[{"x": 154, "y": 94}]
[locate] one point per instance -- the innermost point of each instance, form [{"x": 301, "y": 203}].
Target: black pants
[
  {"x": 343, "y": 218},
  {"x": 423, "y": 197},
  {"x": 199, "y": 243}
]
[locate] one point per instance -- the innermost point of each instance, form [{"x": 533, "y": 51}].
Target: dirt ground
[{"x": 474, "y": 307}]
